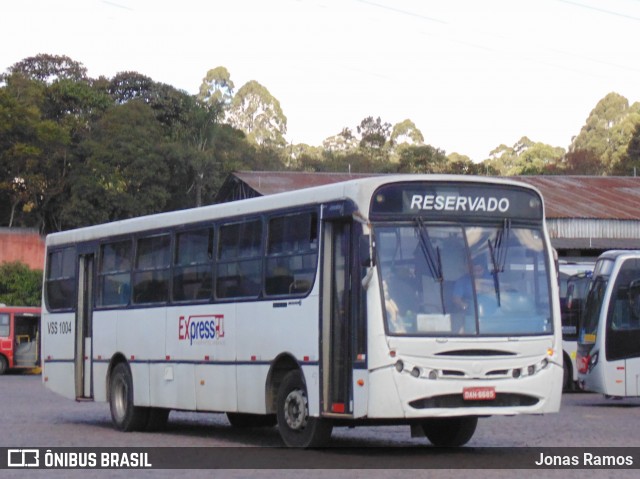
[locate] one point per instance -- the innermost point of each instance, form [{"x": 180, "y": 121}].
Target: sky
[{"x": 471, "y": 74}]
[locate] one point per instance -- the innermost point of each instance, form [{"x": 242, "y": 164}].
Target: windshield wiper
[
  {"x": 434, "y": 261},
  {"x": 498, "y": 251},
  {"x": 432, "y": 255}
]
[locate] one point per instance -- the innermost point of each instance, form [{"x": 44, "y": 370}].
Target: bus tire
[
  {"x": 296, "y": 427},
  {"x": 567, "y": 380},
  {"x": 3, "y": 365},
  {"x": 237, "y": 419},
  {"x": 450, "y": 431},
  {"x": 125, "y": 416}
]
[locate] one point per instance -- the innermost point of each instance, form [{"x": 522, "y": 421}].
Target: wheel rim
[
  {"x": 120, "y": 399},
  {"x": 295, "y": 410}
]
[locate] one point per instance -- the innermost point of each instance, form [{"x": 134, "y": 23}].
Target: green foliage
[
  {"x": 124, "y": 174},
  {"x": 525, "y": 157},
  {"x": 216, "y": 88},
  {"x": 256, "y": 112},
  {"x": 406, "y": 132},
  {"x": 423, "y": 159},
  {"x": 49, "y": 68},
  {"x": 78, "y": 151},
  {"x": 19, "y": 285},
  {"x": 607, "y": 131}
]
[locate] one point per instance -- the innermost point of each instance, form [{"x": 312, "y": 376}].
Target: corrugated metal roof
[{"x": 595, "y": 197}]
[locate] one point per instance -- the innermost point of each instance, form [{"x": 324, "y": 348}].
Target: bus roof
[{"x": 358, "y": 190}]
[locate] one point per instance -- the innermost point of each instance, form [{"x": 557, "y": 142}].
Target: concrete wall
[{"x": 24, "y": 245}]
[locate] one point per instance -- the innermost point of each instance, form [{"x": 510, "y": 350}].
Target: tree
[
  {"x": 197, "y": 135},
  {"x": 525, "y": 157},
  {"x": 373, "y": 134},
  {"x": 124, "y": 173},
  {"x": 462, "y": 165},
  {"x": 216, "y": 89},
  {"x": 256, "y": 112},
  {"x": 19, "y": 285},
  {"x": 608, "y": 130},
  {"x": 50, "y": 68},
  {"x": 630, "y": 163},
  {"x": 422, "y": 159},
  {"x": 127, "y": 86},
  {"x": 406, "y": 132},
  {"x": 342, "y": 142}
]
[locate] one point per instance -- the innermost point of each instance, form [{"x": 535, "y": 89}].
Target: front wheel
[
  {"x": 296, "y": 427},
  {"x": 3, "y": 365},
  {"x": 125, "y": 416},
  {"x": 450, "y": 431}
]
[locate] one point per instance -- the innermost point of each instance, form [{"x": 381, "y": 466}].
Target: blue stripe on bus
[{"x": 195, "y": 361}]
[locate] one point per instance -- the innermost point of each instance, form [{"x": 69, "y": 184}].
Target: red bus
[{"x": 19, "y": 337}]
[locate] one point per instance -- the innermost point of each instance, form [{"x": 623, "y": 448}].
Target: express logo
[{"x": 201, "y": 329}]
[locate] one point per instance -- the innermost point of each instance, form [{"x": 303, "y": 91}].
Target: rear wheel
[
  {"x": 296, "y": 427},
  {"x": 125, "y": 416},
  {"x": 3, "y": 365},
  {"x": 450, "y": 431}
]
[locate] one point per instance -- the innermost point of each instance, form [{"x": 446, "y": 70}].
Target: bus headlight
[{"x": 399, "y": 365}]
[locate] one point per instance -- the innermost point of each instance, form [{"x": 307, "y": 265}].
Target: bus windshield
[{"x": 463, "y": 280}]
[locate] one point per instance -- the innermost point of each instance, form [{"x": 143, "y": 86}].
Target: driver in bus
[
  {"x": 394, "y": 320},
  {"x": 462, "y": 295}
]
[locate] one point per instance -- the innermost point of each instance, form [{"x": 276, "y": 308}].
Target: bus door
[
  {"x": 84, "y": 327},
  {"x": 336, "y": 319},
  {"x": 343, "y": 320}
]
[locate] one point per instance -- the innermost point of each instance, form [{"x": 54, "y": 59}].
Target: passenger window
[
  {"x": 239, "y": 267},
  {"x": 152, "y": 267},
  {"x": 114, "y": 275},
  {"x": 4, "y": 325},
  {"x": 292, "y": 254},
  {"x": 192, "y": 265},
  {"x": 61, "y": 279}
]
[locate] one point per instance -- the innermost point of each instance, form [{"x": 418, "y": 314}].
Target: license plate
[{"x": 479, "y": 394}]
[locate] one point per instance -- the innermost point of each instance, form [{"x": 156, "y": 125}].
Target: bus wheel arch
[
  {"x": 280, "y": 367},
  {"x": 296, "y": 427}
]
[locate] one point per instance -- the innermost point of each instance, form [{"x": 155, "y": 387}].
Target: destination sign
[{"x": 449, "y": 200}]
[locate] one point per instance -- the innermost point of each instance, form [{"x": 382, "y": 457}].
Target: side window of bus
[
  {"x": 152, "y": 269},
  {"x": 114, "y": 274},
  {"x": 292, "y": 254},
  {"x": 4, "y": 325},
  {"x": 239, "y": 266},
  {"x": 192, "y": 265},
  {"x": 61, "y": 279}
]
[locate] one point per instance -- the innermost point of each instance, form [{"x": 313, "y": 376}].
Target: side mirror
[{"x": 366, "y": 251}]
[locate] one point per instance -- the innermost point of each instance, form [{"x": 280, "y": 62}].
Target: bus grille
[{"x": 456, "y": 401}]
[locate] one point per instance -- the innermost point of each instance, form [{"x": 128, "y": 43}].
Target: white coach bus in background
[
  {"x": 609, "y": 342},
  {"x": 428, "y": 301}
]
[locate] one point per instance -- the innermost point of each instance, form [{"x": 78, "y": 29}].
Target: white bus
[
  {"x": 573, "y": 279},
  {"x": 609, "y": 343},
  {"x": 347, "y": 304}
]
